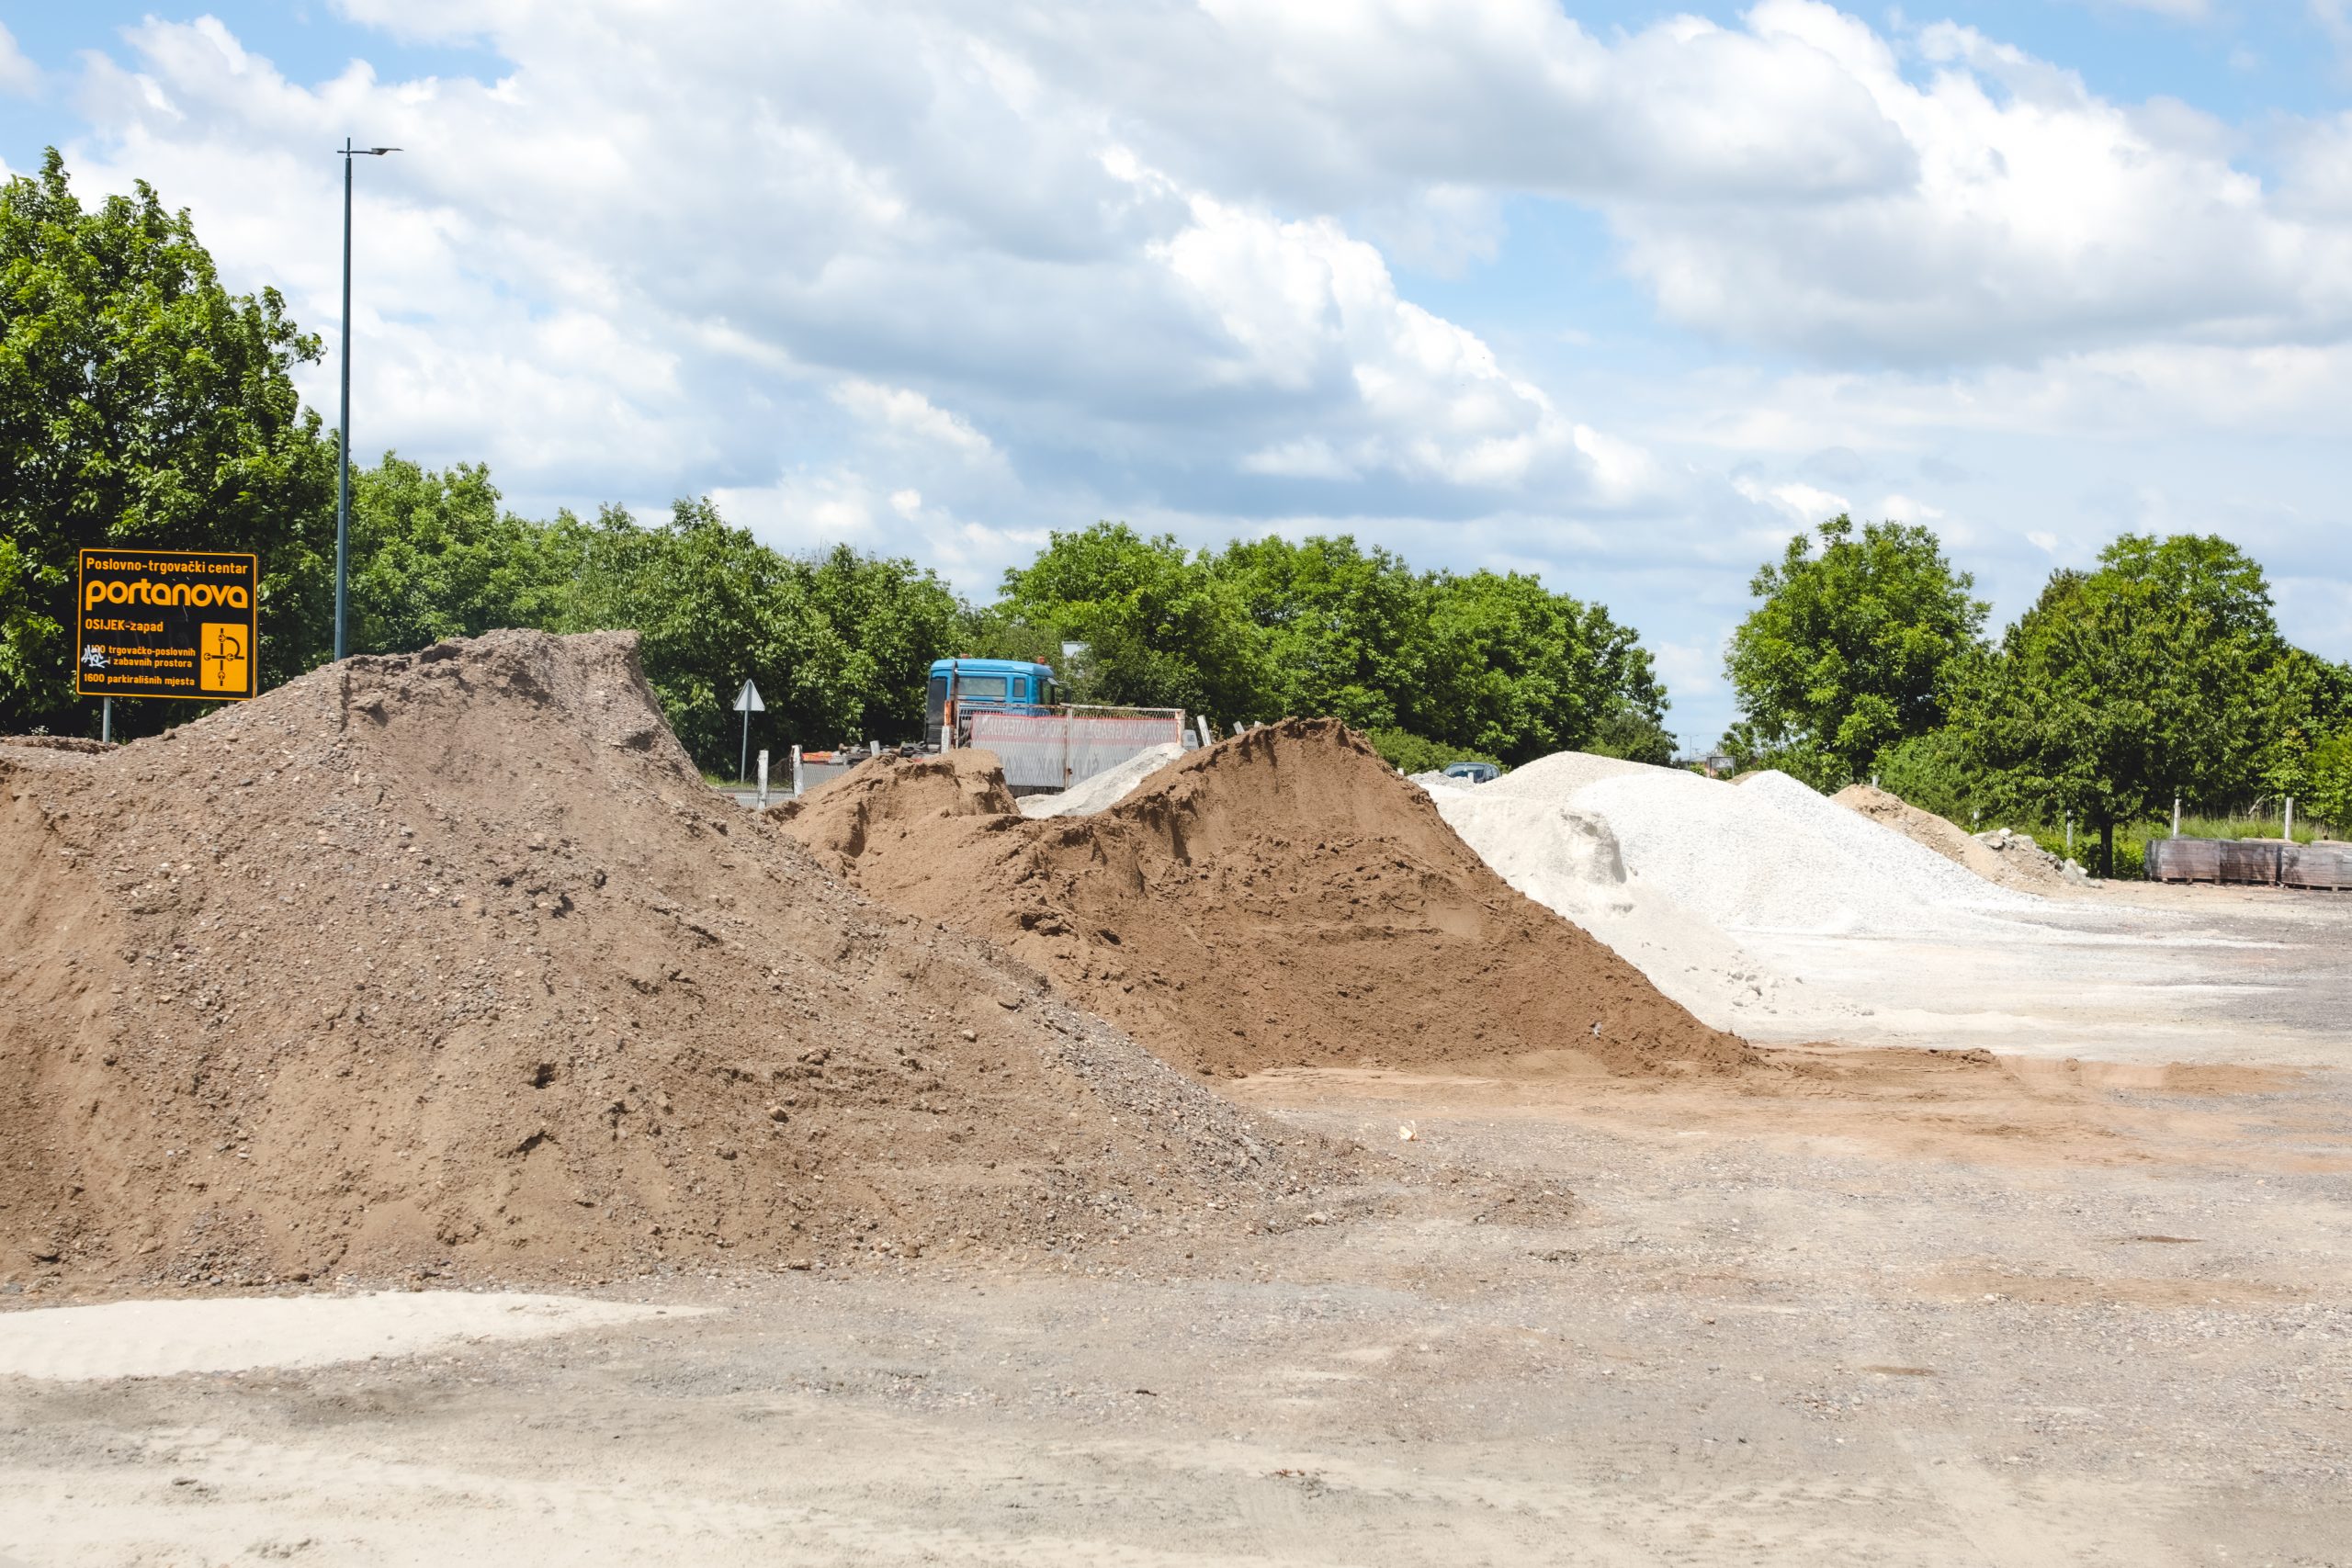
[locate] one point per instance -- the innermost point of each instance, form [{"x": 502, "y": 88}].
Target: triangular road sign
[{"x": 748, "y": 700}]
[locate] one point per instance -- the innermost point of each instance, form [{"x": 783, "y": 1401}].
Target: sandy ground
[{"x": 1879, "y": 1307}]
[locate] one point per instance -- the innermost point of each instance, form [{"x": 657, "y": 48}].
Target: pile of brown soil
[
  {"x": 57, "y": 743},
  {"x": 2029, "y": 873},
  {"x": 450, "y": 963},
  {"x": 1283, "y": 898}
]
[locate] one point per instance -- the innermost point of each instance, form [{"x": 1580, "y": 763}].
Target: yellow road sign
[{"x": 168, "y": 624}]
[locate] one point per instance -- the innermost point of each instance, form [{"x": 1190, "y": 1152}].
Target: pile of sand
[
  {"x": 450, "y": 963},
  {"x": 2022, "y": 869},
  {"x": 1284, "y": 898}
]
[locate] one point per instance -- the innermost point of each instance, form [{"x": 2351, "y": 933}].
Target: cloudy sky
[{"x": 1617, "y": 293}]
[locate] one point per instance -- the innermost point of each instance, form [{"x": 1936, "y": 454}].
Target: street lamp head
[
  {"x": 348, "y": 150},
  {"x": 380, "y": 151}
]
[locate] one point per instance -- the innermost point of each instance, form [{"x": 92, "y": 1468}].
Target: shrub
[
  {"x": 1411, "y": 753},
  {"x": 1634, "y": 737},
  {"x": 2330, "y": 776},
  {"x": 1928, "y": 772}
]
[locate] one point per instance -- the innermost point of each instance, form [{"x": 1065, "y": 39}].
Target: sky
[{"x": 1619, "y": 294}]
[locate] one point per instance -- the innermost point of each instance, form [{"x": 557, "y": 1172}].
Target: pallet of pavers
[
  {"x": 2242, "y": 861},
  {"x": 2184, "y": 860},
  {"x": 2322, "y": 866}
]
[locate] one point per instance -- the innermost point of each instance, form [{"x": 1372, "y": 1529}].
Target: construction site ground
[
  {"x": 1896, "y": 1307},
  {"x": 454, "y": 1133}
]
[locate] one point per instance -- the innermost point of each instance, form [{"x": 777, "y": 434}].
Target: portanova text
[{"x": 146, "y": 590}]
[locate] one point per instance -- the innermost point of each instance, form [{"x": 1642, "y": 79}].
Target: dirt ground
[{"x": 1877, "y": 1306}]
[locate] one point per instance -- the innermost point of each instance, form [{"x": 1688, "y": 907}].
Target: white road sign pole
[{"x": 747, "y": 702}]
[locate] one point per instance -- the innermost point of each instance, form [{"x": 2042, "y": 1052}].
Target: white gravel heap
[
  {"x": 1105, "y": 789},
  {"x": 1569, "y": 862},
  {"x": 1765, "y": 855},
  {"x": 1680, "y": 874}
]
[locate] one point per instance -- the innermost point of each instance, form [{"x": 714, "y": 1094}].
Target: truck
[
  {"x": 1019, "y": 711},
  {"x": 961, "y": 687}
]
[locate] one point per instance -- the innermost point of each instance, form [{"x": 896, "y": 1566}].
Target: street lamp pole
[{"x": 343, "y": 439}]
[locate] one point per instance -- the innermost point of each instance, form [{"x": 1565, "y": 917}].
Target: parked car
[{"x": 1473, "y": 773}]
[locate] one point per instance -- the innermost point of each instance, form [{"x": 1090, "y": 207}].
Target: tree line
[
  {"x": 2160, "y": 672},
  {"x": 143, "y": 402}
]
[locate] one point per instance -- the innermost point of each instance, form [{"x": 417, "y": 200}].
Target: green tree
[
  {"x": 2124, "y": 686},
  {"x": 713, "y": 607},
  {"x": 143, "y": 403},
  {"x": 1933, "y": 773},
  {"x": 2328, "y": 782},
  {"x": 1512, "y": 669},
  {"x": 1849, "y": 650},
  {"x": 839, "y": 644},
  {"x": 1342, "y": 629},
  {"x": 2301, "y": 699},
  {"x": 1482, "y": 664},
  {"x": 997, "y": 631},
  {"x": 434, "y": 555},
  {"x": 1635, "y": 736},
  {"x": 1163, "y": 629},
  {"x": 893, "y": 619}
]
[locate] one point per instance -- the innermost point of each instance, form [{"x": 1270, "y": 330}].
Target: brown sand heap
[
  {"x": 1284, "y": 898},
  {"x": 451, "y": 962},
  {"x": 2027, "y": 868}
]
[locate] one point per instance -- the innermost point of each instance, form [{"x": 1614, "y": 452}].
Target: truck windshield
[{"x": 987, "y": 687}]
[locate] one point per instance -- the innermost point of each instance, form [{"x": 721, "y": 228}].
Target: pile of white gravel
[
  {"x": 1762, "y": 855},
  {"x": 1105, "y": 789},
  {"x": 1568, "y": 860},
  {"x": 1704, "y": 885},
  {"x": 1768, "y": 854}
]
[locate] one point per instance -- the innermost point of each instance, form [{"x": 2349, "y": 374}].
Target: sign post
[
  {"x": 747, "y": 702},
  {"x": 167, "y": 624}
]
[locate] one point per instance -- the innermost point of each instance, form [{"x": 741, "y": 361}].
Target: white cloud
[
  {"x": 1308, "y": 457},
  {"x": 1802, "y": 502},
  {"x": 20, "y": 77},
  {"x": 1896, "y": 507},
  {"x": 2040, "y": 217},
  {"x": 912, "y": 415},
  {"x": 934, "y": 277}
]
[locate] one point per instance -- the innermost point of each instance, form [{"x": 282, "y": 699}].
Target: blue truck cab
[{"x": 959, "y": 686}]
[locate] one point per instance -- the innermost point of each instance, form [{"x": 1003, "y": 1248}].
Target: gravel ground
[
  {"x": 1937, "y": 1317},
  {"x": 2130, "y": 972}
]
